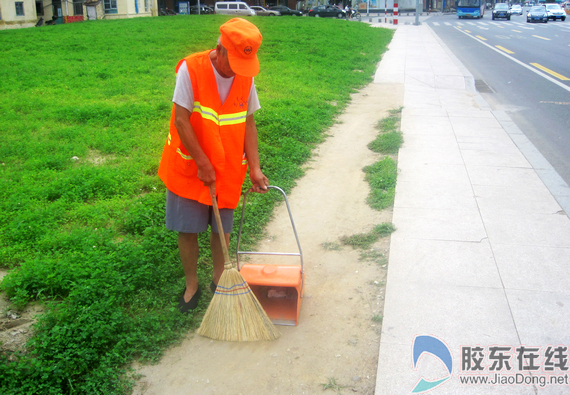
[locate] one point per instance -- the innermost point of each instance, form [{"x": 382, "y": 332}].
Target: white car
[
  {"x": 555, "y": 12},
  {"x": 516, "y": 9},
  {"x": 260, "y": 11}
]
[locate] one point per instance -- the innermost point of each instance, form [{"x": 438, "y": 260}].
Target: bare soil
[
  {"x": 15, "y": 325},
  {"x": 335, "y": 345}
]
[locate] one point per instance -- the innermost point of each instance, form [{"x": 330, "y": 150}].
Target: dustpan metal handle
[{"x": 238, "y": 252}]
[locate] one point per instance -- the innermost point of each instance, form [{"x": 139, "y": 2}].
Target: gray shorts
[{"x": 188, "y": 216}]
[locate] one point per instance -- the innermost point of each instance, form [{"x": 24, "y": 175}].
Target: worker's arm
[
  {"x": 258, "y": 180},
  {"x": 206, "y": 172}
]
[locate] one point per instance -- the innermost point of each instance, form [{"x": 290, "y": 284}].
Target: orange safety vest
[{"x": 220, "y": 129}]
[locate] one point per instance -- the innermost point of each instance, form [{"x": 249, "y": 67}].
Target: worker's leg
[
  {"x": 188, "y": 249},
  {"x": 188, "y": 218}
]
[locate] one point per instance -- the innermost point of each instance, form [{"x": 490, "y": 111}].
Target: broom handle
[{"x": 220, "y": 228}]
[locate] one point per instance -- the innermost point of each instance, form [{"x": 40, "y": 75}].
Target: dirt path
[{"x": 336, "y": 339}]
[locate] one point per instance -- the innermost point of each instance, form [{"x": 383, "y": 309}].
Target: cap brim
[{"x": 243, "y": 67}]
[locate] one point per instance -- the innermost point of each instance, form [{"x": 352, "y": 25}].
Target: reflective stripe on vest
[
  {"x": 187, "y": 157},
  {"x": 220, "y": 120}
]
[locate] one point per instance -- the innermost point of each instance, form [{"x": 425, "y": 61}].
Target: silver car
[
  {"x": 555, "y": 12},
  {"x": 260, "y": 11},
  {"x": 516, "y": 9}
]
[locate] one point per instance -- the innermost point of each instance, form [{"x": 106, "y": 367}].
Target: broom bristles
[{"x": 235, "y": 314}]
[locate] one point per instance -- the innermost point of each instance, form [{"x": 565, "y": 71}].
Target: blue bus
[{"x": 470, "y": 8}]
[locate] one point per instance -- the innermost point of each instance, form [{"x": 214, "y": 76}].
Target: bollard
[{"x": 395, "y": 13}]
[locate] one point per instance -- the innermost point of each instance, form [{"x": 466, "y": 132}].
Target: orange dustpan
[{"x": 278, "y": 288}]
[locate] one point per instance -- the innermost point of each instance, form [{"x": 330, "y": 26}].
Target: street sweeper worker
[{"x": 211, "y": 142}]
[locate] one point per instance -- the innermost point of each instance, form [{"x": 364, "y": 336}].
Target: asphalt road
[{"x": 522, "y": 68}]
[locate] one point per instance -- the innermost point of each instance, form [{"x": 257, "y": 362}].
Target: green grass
[
  {"x": 333, "y": 385},
  {"x": 86, "y": 236},
  {"x": 382, "y": 175},
  {"x": 373, "y": 255},
  {"x": 382, "y": 179},
  {"x": 330, "y": 246},
  {"x": 389, "y": 139},
  {"x": 366, "y": 240}
]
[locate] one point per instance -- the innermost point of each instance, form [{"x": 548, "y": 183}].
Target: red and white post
[{"x": 395, "y": 13}]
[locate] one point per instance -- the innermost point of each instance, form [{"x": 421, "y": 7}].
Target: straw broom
[{"x": 234, "y": 314}]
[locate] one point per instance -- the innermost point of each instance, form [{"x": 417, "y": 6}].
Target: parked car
[
  {"x": 537, "y": 14},
  {"x": 554, "y": 12},
  {"x": 283, "y": 10},
  {"x": 204, "y": 9},
  {"x": 233, "y": 8},
  {"x": 327, "y": 11},
  {"x": 163, "y": 12},
  {"x": 260, "y": 11},
  {"x": 501, "y": 10},
  {"x": 516, "y": 9}
]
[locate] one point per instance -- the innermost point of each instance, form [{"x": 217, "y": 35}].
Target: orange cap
[{"x": 242, "y": 40}]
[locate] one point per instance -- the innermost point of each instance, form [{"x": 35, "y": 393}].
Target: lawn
[{"x": 84, "y": 116}]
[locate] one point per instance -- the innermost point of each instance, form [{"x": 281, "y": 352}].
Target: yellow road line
[
  {"x": 552, "y": 73},
  {"x": 543, "y": 38},
  {"x": 467, "y": 31},
  {"x": 504, "y": 49},
  {"x": 517, "y": 31},
  {"x": 479, "y": 37}
]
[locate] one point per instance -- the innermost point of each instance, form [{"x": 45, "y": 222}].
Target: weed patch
[
  {"x": 381, "y": 176},
  {"x": 333, "y": 385},
  {"x": 366, "y": 240},
  {"x": 389, "y": 139}
]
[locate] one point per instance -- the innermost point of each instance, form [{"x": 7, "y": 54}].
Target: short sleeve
[
  {"x": 253, "y": 103},
  {"x": 183, "y": 94}
]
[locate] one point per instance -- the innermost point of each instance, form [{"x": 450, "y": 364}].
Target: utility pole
[{"x": 418, "y": 10}]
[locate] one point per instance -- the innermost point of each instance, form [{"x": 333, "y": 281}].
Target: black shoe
[
  {"x": 184, "y": 307},
  {"x": 213, "y": 287}
]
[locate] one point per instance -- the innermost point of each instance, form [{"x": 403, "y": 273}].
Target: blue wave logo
[{"x": 434, "y": 346}]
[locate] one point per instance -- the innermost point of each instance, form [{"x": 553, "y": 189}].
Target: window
[
  {"x": 146, "y": 5},
  {"x": 77, "y": 8},
  {"x": 111, "y": 7},
  {"x": 19, "y": 8},
  {"x": 233, "y": 6},
  {"x": 223, "y": 6},
  {"x": 468, "y": 3},
  {"x": 242, "y": 7},
  {"x": 39, "y": 8}
]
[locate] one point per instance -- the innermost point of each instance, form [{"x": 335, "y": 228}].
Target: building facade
[{"x": 28, "y": 13}]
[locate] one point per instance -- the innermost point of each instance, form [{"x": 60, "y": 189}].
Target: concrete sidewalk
[{"x": 481, "y": 254}]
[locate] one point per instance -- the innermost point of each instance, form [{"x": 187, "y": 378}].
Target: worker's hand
[
  {"x": 259, "y": 181},
  {"x": 207, "y": 173}
]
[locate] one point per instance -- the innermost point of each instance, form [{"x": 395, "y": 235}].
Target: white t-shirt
[{"x": 184, "y": 96}]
